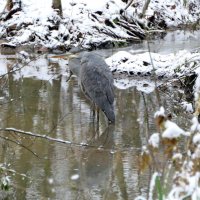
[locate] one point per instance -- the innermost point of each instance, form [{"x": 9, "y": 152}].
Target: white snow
[
  {"x": 186, "y": 188},
  {"x": 140, "y": 198},
  {"x": 5, "y": 181},
  {"x": 38, "y": 69},
  {"x": 195, "y": 125},
  {"x": 177, "y": 156},
  {"x": 75, "y": 177},
  {"x": 172, "y": 130},
  {"x": 3, "y": 68},
  {"x": 187, "y": 106},
  {"x": 143, "y": 85},
  {"x": 78, "y": 18},
  {"x": 161, "y": 112},
  {"x": 196, "y": 138},
  {"x": 175, "y": 11},
  {"x": 162, "y": 65},
  {"x": 197, "y": 84},
  {"x": 2, "y": 5},
  {"x": 196, "y": 154},
  {"x": 37, "y": 9},
  {"x": 154, "y": 140},
  {"x": 51, "y": 181}
]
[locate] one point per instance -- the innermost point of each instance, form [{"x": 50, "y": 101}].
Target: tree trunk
[
  {"x": 57, "y": 5},
  {"x": 12, "y": 6},
  {"x": 145, "y": 8},
  {"x": 9, "y": 5}
]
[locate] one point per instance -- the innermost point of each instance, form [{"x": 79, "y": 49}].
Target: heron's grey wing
[
  {"x": 97, "y": 83},
  {"x": 97, "y": 86},
  {"x": 104, "y": 74},
  {"x": 104, "y": 71}
]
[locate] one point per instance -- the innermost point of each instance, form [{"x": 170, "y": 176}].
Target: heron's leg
[
  {"x": 93, "y": 110},
  {"x": 70, "y": 74},
  {"x": 97, "y": 115},
  {"x": 92, "y": 113},
  {"x": 97, "y": 108}
]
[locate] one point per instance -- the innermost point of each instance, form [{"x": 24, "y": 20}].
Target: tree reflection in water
[{"x": 106, "y": 169}]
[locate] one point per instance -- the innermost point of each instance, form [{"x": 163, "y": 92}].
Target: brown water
[{"x": 44, "y": 103}]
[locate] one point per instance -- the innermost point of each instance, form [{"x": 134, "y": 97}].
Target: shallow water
[
  {"x": 168, "y": 42},
  {"x": 38, "y": 99},
  {"x": 44, "y": 103}
]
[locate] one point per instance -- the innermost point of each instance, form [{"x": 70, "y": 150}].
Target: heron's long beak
[
  {"x": 65, "y": 56},
  {"x": 73, "y": 56}
]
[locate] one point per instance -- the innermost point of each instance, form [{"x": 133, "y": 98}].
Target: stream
[{"x": 38, "y": 98}]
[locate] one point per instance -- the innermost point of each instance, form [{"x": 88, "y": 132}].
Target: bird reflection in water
[{"x": 96, "y": 163}]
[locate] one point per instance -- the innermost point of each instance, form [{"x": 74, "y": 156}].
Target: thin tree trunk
[
  {"x": 57, "y": 5},
  {"x": 9, "y": 5},
  {"x": 12, "y": 6},
  {"x": 146, "y": 5}
]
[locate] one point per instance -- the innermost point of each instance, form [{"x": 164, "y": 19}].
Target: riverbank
[{"x": 102, "y": 24}]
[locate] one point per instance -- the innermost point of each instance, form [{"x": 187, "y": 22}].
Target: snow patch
[
  {"x": 75, "y": 177},
  {"x": 196, "y": 138},
  {"x": 161, "y": 112},
  {"x": 195, "y": 125},
  {"x": 172, "y": 130},
  {"x": 187, "y": 106},
  {"x": 177, "y": 156},
  {"x": 189, "y": 187},
  {"x": 83, "y": 21},
  {"x": 154, "y": 140},
  {"x": 149, "y": 63},
  {"x": 146, "y": 86}
]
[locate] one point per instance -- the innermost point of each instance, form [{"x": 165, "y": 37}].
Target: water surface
[{"x": 38, "y": 99}]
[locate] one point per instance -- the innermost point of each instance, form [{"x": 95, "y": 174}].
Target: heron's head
[
  {"x": 72, "y": 56},
  {"x": 74, "y": 64}
]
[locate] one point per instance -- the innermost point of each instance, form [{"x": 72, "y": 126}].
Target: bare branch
[
  {"x": 82, "y": 144},
  {"x": 20, "y": 144},
  {"x": 35, "y": 135}
]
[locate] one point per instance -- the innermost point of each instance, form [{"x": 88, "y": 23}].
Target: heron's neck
[
  {"x": 75, "y": 66},
  {"x": 76, "y": 70}
]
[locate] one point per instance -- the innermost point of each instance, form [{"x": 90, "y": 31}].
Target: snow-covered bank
[
  {"x": 145, "y": 71},
  {"x": 91, "y": 24},
  {"x": 145, "y": 64}
]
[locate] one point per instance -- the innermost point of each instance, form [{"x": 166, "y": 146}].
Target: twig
[
  {"x": 128, "y": 5},
  {"x": 18, "y": 143},
  {"x": 35, "y": 135},
  {"x": 154, "y": 75},
  {"x": 19, "y": 68},
  {"x": 82, "y": 144},
  {"x": 13, "y": 171},
  {"x": 147, "y": 133}
]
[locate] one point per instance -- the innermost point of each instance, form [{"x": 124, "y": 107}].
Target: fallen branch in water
[
  {"x": 28, "y": 133},
  {"x": 38, "y": 136},
  {"x": 81, "y": 144}
]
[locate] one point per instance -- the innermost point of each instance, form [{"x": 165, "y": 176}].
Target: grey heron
[{"x": 95, "y": 80}]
